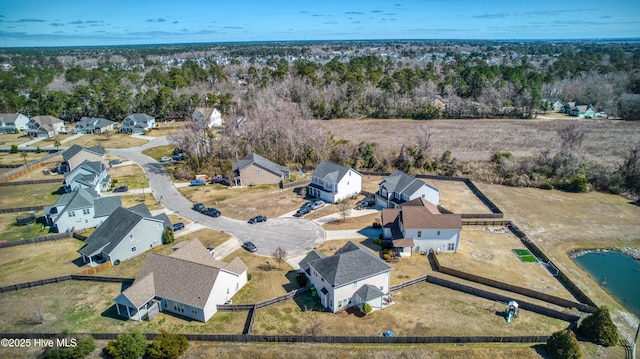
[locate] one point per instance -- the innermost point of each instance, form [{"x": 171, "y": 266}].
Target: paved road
[{"x": 296, "y": 236}]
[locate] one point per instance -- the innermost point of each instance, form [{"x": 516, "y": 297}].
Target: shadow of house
[{"x": 293, "y": 281}]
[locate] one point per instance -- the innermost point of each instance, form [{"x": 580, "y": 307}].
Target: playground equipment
[{"x": 512, "y": 310}]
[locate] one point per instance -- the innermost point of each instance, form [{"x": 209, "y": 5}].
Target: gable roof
[
  {"x": 111, "y": 232},
  {"x": 349, "y": 264},
  {"x": 104, "y": 206},
  {"x": 10, "y": 117},
  {"x": 47, "y": 120},
  {"x": 186, "y": 276},
  {"x": 311, "y": 256},
  {"x": 70, "y": 152},
  {"x": 205, "y": 111},
  {"x": 254, "y": 158},
  {"x": 95, "y": 122},
  {"x": 333, "y": 170},
  {"x": 421, "y": 202},
  {"x": 403, "y": 183},
  {"x": 414, "y": 217},
  {"x": 140, "y": 118}
]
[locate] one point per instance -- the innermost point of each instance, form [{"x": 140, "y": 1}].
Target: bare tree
[
  {"x": 279, "y": 255},
  {"x": 344, "y": 207},
  {"x": 314, "y": 322},
  {"x": 572, "y": 134}
]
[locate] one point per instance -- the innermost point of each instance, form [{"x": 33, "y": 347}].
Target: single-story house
[
  {"x": 399, "y": 187},
  {"x": 583, "y": 111},
  {"x": 128, "y": 232},
  {"x": 189, "y": 282},
  {"x": 339, "y": 279},
  {"x": 421, "y": 221},
  {"x": 332, "y": 182},
  {"x": 206, "y": 117},
  {"x": 73, "y": 156},
  {"x": 90, "y": 125},
  {"x": 255, "y": 169},
  {"x": 45, "y": 126},
  {"x": 89, "y": 174},
  {"x": 9, "y": 122},
  {"x": 137, "y": 123},
  {"x": 80, "y": 209}
]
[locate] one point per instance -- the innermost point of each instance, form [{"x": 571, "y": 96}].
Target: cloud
[
  {"x": 156, "y": 20},
  {"x": 77, "y": 22},
  {"x": 319, "y": 15},
  {"x": 233, "y": 27},
  {"x": 93, "y": 21},
  {"x": 303, "y": 12},
  {"x": 502, "y": 15},
  {"x": 397, "y": 5},
  {"x": 354, "y": 13},
  {"x": 31, "y": 20},
  {"x": 330, "y": 22},
  {"x": 376, "y": 11},
  {"x": 175, "y": 22},
  {"x": 56, "y": 24}
]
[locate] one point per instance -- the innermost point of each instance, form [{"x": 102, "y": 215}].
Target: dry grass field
[
  {"x": 10, "y": 231},
  {"x": 134, "y": 199},
  {"x": 8, "y": 158},
  {"x": 8, "y": 139},
  {"x": 30, "y": 195},
  {"x": 477, "y": 140},
  {"x": 113, "y": 140},
  {"x": 131, "y": 175}
]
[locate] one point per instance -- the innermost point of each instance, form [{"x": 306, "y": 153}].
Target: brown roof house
[
  {"x": 418, "y": 226},
  {"x": 45, "y": 126},
  {"x": 73, "y": 156},
  {"x": 255, "y": 169},
  {"x": 189, "y": 282}
]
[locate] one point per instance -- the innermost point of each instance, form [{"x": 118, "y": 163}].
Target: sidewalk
[
  {"x": 30, "y": 142},
  {"x": 72, "y": 138}
]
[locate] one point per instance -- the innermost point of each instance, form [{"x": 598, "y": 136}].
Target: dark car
[
  {"x": 178, "y": 157},
  {"x": 367, "y": 203},
  {"x": 199, "y": 207},
  {"x": 258, "y": 219},
  {"x": 178, "y": 226},
  {"x": 308, "y": 204},
  {"x": 212, "y": 212},
  {"x": 115, "y": 162},
  {"x": 302, "y": 211},
  {"x": 121, "y": 189},
  {"x": 197, "y": 183},
  {"x": 249, "y": 246},
  {"x": 219, "y": 180}
]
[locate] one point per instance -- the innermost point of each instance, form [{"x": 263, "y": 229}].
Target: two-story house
[
  {"x": 255, "y": 169},
  {"x": 332, "y": 182},
  {"x": 128, "y": 232},
  {"x": 400, "y": 187},
  {"x": 418, "y": 226},
  {"x": 352, "y": 276},
  {"x": 89, "y": 174},
  {"x": 206, "y": 117},
  {"x": 188, "y": 282},
  {"x": 80, "y": 209},
  {"x": 137, "y": 123},
  {"x": 583, "y": 111},
  {"x": 9, "y": 122},
  {"x": 45, "y": 126},
  {"x": 90, "y": 125},
  {"x": 73, "y": 156}
]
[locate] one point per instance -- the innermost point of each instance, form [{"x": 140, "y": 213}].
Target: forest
[{"x": 277, "y": 86}]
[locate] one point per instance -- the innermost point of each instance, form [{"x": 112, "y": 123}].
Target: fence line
[
  {"x": 41, "y": 282},
  {"x": 294, "y": 184},
  {"x": 2, "y": 165},
  {"x": 397, "y": 287},
  {"x": 21, "y": 209},
  {"x": 19, "y": 183},
  {"x": 29, "y": 167},
  {"x": 51, "y": 237},
  {"x": 248, "y": 327}
]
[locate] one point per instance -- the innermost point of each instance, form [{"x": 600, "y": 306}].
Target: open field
[
  {"x": 130, "y": 175},
  {"x": 473, "y": 140},
  {"x": 43, "y": 260},
  {"x": 8, "y": 158},
  {"x": 8, "y": 139},
  {"x": 10, "y": 231},
  {"x": 113, "y": 140},
  {"x": 30, "y": 195}
]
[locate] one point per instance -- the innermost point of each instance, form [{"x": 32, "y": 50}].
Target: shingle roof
[
  {"x": 401, "y": 182},
  {"x": 422, "y": 218},
  {"x": 333, "y": 170},
  {"x": 312, "y": 256},
  {"x": 403, "y": 242},
  {"x": 75, "y": 149},
  {"x": 421, "y": 202},
  {"x": 349, "y": 264},
  {"x": 140, "y": 118},
  {"x": 254, "y": 158},
  {"x": 143, "y": 290},
  {"x": 95, "y": 121},
  {"x": 111, "y": 232},
  {"x": 9, "y": 117},
  {"x": 141, "y": 210},
  {"x": 104, "y": 206},
  {"x": 369, "y": 292},
  {"x": 166, "y": 222},
  {"x": 46, "y": 120}
]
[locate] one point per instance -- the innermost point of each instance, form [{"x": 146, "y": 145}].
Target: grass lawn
[
  {"x": 42, "y": 260},
  {"x": 353, "y": 222},
  {"x": 8, "y": 139},
  {"x": 7, "y": 158},
  {"x": 525, "y": 256},
  {"x": 112, "y": 140},
  {"x": 158, "y": 152},
  {"x": 30, "y": 195},
  {"x": 132, "y": 176},
  {"x": 166, "y": 130},
  {"x": 11, "y": 231},
  {"x": 134, "y": 199}
]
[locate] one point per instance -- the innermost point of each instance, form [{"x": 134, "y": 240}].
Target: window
[
  {"x": 451, "y": 246},
  {"x": 133, "y": 249},
  {"x": 256, "y": 172},
  {"x": 194, "y": 310},
  {"x": 71, "y": 214},
  {"x": 131, "y": 237},
  {"x": 419, "y": 233},
  {"x": 438, "y": 232},
  {"x": 424, "y": 196},
  {"x": 86, "y": 211}
]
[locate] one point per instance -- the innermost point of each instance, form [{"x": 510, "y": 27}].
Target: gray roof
[
  {"x": 312, "y": 256},
  {"x": 104, "y": 206},
  {"x": 258, "y": 160},
  {"x": 349, "y": 264},
  {"x": 96, "y": 167},
  {"x": 369, "y": 292},
  {"x": 166, "y": 222},
  {"x": 141, "y": 210},
  {"x": 75, "y": 149},
  {"x": 96, "y": 122},
  {"x": 333, "y": 170},
  {"x": 403, "y": 183},
  {"x": 9, "y": 117},
  {"x": 140, "y": 118},
  {"x": 46, "y": 120},
  {"x": 82, "y": 198}
]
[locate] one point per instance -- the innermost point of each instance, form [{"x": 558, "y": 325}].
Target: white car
[
  {"x": 165, "y": 159},
  {"x": 317, "y": 204}
]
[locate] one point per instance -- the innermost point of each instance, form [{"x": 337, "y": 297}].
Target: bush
[
  {"x": 377, "y": 241},
  {"x": 248, "y": 277},
  {"x": 14, "y": 149},
  {"x": 167, "y": 346},
  {"x": 599, "y": 328},
  {"x": 167, "y": 236},
  {"x": 83, "y": 348},
  {"x": 386, "y": 251},
  {"x": 546, "y": 185},
  {"x": 38, "y": 150},
  {"x": 366, "y": 308},
  {"x": 386, "y": 256},
  {"x": 128, "y": 346},
  {"x": 563, "y": 345}
]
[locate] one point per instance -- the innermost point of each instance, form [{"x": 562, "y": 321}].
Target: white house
[
  {"x": 80, "y": 209},
  {"x": 137, "y": 123},
  {"x": 352, "y": 276},
  {"x": 189, "y": 282},
  {"x": 206, "y": 117},
  {"x": 128, "y": 232},
  {"x": 73, "y": 156},
  {"x": 399, "y": 187},
  {"x": 553, "y": 103},
  {"x": 422, "y": 223},
  {"x": 89, "y": 125},
  {"x": 332, "y": 182},
  {"x": 9, "y": 122},
  {"x": 45, "y": 126},
  {"x": 89, "y": 174}
]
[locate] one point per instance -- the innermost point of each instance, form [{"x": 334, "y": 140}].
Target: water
[{"x": 617, "y": 273}]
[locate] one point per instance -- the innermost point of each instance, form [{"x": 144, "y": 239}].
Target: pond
[{"x": 617, "y": 273}]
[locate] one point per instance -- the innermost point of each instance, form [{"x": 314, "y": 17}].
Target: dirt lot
[
  {"x": 113, "y": 140},
  {"x": 472, "y": 140}
]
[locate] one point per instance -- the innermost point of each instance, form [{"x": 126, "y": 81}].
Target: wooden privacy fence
[
  {"x": 96, "y": 269},
  {"x": 295, "y": 184},
  {"x": 41, "y": 282},
  {"x": 29, "y": 167},
  {"x": 243, "y": 338},
  {"x": 50, "y": 237},
  {"x": 21, "y": 209},
  {"x": 19, "y": 183}
]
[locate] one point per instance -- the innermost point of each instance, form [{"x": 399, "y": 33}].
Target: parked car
[
  {"x": 308, "y": 204},
  {"x": 211, "y": 250},
  {"x": 258, "y": 219},
  {"x": 178, "y": 157},
  {"x": 165, "y": 159},
  {"x": 199, "y": 207},
  {"x": 178, "y": 226},
  {"x": 115, "y": 162},
  {"x": 121, "y": 189},
  {"x": 317, "y": 204},
  {"x": 302, "y": 211},
  {"x": 196, "y": 183},
  {"x": 367, "y": 203},
  {"x": 249, "y": 246},
  {"x": 212, "y": 212}
]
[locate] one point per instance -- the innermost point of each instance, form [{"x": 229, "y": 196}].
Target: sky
[{"x": 40, "y": 23}]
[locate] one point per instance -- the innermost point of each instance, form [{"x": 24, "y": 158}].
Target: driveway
[{"x": 296, "y": 236}]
